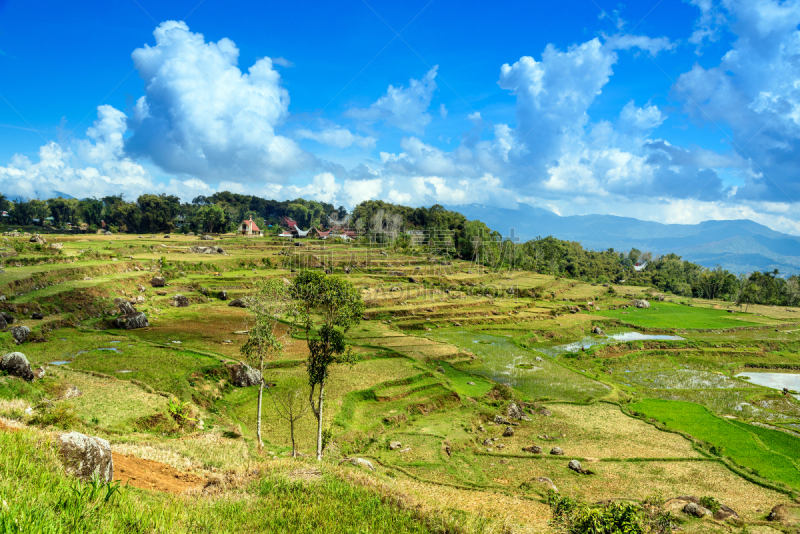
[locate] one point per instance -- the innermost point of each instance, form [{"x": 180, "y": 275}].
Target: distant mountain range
[{"x": 740, "y": 246}]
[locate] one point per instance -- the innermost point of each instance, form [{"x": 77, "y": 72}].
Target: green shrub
[
  {"x": 710, "y": 503},
  {"x": 61, "y": 415}
]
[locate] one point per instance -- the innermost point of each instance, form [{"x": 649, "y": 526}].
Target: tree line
[{"x": 435, "y": 228}]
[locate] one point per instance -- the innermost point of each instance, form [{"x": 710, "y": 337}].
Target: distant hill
[{"x": 740, "y": 246}]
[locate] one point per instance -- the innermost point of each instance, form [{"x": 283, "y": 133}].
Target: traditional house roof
[
  {"x": 291, "y": 223},
  {"x": 252, "y": 225},
  {"x": 323, "y": 233}
]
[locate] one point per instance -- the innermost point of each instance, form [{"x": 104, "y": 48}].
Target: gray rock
[
  {"x": 641, "y": 303},
  {"x": 468, "y": 383},
  {"x": 695, "y": 510},
  {"x": 3, "y": 323},
  {"x": 199, "y": 249},
  {"x": 597, "y": 330},
  {"x": 545, "y": 412},
  {"x": 508, "y": 432},
  {"x": 238, "y": 303},
  {"x": 125, "y": 307},
  {"x": 37, "y": 316},
  {"x": 8, "y": 317},
  {"x": 535, "y": 449},
  {"x": 514, "y": 411},
  {"x": 180, "y": 301},
  {"x": 440, "y": 369},
  {"x": 222, "y": 295},
  {"x": 556, "y": 451},
  {"x": 16, "y": 364},
  {"x": 20, "y": 334},
  {"x": 207, "y": 238},
  {"x": 140, "y": 299},
  {"x": 140, "y": 288},
  {"x": 500, "y": 420},
  {"x": 243, "y": 376},
  {"x": 575, "y": 465},
  {"x": 394, "y": 445},
  {"x": 359, "y": 462},
  {"x": 71, "y": 392},
  {"x": 38, "y": 239},
  {"x": 133, "y": 321},
  {"x": 539, "y": 359},
  {"x": 86, "y": 456},
  {"x": 158, "y": 281},
  {"x": 38, "y": 373}
]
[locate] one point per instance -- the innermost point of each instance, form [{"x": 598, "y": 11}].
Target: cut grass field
[{"x": 678, "y": 317}]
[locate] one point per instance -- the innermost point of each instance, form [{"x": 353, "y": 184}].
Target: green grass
[
  {"x": 669, "y": 315},
  {"x": 38, "y": 498},
  {"x": 766, "y": 455}
]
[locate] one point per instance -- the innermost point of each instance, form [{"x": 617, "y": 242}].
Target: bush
[
  {"x": 710, "y": 503},
  {"x": 61, "y": 415}
]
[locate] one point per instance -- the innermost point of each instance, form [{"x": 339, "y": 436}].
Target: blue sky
[{"x": 670, "y": 111}]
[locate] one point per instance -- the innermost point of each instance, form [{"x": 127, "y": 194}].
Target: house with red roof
[{"x": 250, "y": 228}]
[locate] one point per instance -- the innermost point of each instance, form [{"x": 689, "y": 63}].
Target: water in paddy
[
  {"x": 587, "y": 342},
  {"x": 502, "y": 361},
  {"x": 774, "y": 380},
  {"x": 60, "y": 362}
]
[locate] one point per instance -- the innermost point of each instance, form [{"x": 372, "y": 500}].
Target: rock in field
[
  {"x": 243, "y": 376},
  {"x": 8, "y": 317},
  {"x": 158, "y": 281},
  {"x": 557, "y": 451},
  {"x": 695, "y": 510},
  {"x": 180, "y": 301},
  {"x": 500, "y": 420},
  {"x": 199, "y": 249},
  {"x": 125, "y": 307},
  {"x": 359, "y": 462},
  {"x": 238, "y": 303},
  {"x": 575, "y": 465},
  {"x": 222, "y": 295},
  {"x": 38, "y": 373},
  {"x": 3, "y": 323},
  {"x": 535, "y": 449},
  {"x": 597, "y": 330},
  {"x": 514, "y": 411},
  {"x": 85, "y": 456},
  {"x": 508, "y": 432},
  {"x": 641, "y": 303},
  {"x": 37, "y": 316},
  {"x": 394, "y": 445},
  {"x": 16, "y": 364},
  {"x": 546, "y": 482},
  {"x": 20, "y": 334},
  {"x": 130, "y": 322},
  {"x": 207, "y": 238}
]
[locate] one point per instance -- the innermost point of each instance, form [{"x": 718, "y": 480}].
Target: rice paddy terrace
[{"x": 684, "y": 398}]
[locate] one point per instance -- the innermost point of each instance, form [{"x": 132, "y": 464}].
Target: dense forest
[{"x": 448, "y": 232}]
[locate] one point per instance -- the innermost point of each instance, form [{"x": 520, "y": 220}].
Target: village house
[{"x": 250, "y": 228}]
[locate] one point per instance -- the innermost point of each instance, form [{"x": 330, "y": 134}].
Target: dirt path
[{"x": 147, "y": 474}]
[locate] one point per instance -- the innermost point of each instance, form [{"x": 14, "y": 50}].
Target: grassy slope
[
  {"x": 737, "y": 440},
  {"x": 669, "y": 315}
]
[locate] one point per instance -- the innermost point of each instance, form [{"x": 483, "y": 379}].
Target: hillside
[{"x": 739, "y": 246}]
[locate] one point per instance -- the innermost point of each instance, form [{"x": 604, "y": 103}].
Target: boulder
[
  {"x": 725, "y": 512},
  {"x": 243, "y": 376},
  {"x": 166, "y": 236},
  {"x": 20, "y": 334},
  {"x": 140, "y": 288},
  {"x": 139, "y": 299},
  {"x": 440, "y": 369},
  {"x": 780, "y": 513},
  {"x": 38, "y": 239},
  {"x": 500, "y": 420},
  {"x": 597, "y": 330},
  {"x": 199, "y": 249},
  {"x": 394, "y": 445},
  {"x": 16, "y": 364},
  {"x": 238, "y": 303},
  {"x": 661, "y": 298},
  {"x": 158, "y": 281},
  {"x": 514, "y": 411},
  {"x": 8, "y": 317},
  {"x": 641, "y": 303},
  {"x": 508, "y": 432},
  {"x": 71, "y": 392},
  {"x": 695, "y": 510},
  {"x": 535, "y": 449},
  {"x": 545, "y": 412},
  {"x": 207, "y": 238},
  {"x": 38, "y": 373},
  {"x": 130, "y": 322},
  {"x": 180, "y": 301},
  {"x": 222, "y": 295},
  {"x": 575, "y": 465},
  {"x": 359, "y": 462},
  {"x": 86, "y": 456},
  {"x": 37, "y": 316},
  {"x": 125, "y": 307},
  {"x": 539, "y": 359},
  {"x": 3, "y": 323},
  {"x": 556, "y": 451}
]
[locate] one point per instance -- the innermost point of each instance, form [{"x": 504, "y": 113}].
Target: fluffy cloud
[
  {"x": 338, "y": 137},
  {"x": 754, "y": 92},
  {"x": 202, "y": 116},
  {"x": 405, "y": 108}
]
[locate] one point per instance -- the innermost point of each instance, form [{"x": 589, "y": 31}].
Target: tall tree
[
  {"x": 290, "y": 406},
  {"x": 269, "y": 301},
  {"x": 328, "y": 307}
]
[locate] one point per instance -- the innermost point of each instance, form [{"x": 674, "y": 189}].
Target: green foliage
[
  {"x": 180, "y": 412},
  {"x": 710, "y": 503},
  {"x": 578, "y": 518},
  {"x": 60, "y": 415}
]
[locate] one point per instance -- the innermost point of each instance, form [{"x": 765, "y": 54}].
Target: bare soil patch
[{"x": 150, "y": 475}]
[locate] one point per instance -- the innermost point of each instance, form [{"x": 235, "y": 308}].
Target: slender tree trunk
[
  {"x": 291, "y": 430},
  {"x": 260, "y": 396},
  {"x": 319, "y": 420}
]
